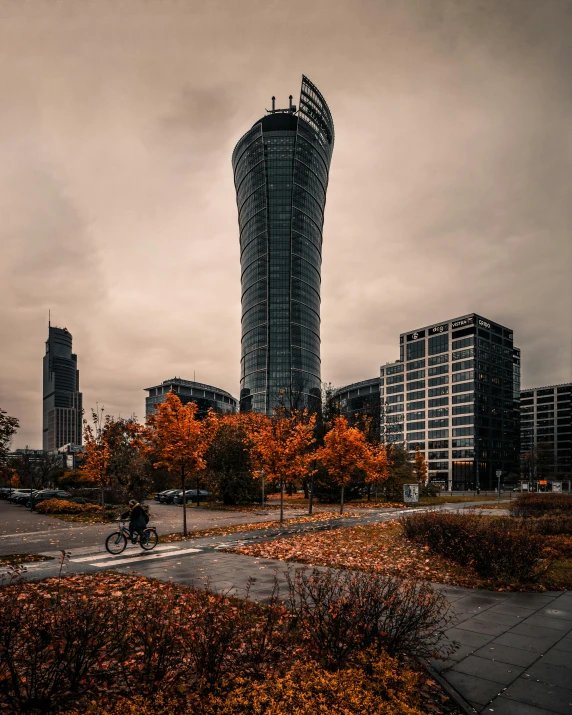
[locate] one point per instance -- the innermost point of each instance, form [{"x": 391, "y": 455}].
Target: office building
[
  {"x": 454, "y": 393},
  {"x": 546, "y": 432},
  {"x": 281, "y": 167},
  {"x": 360, "y": 400},
  {"x": 62, "y": 400},
  {"x": 206, "y": 396}
]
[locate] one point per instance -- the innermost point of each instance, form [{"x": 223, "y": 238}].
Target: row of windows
[{"x": 438, "y": 359}]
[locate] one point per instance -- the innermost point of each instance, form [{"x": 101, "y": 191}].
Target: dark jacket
[{"x": 137, "y": 516}]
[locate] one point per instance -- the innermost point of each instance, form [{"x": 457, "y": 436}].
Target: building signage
[
  {"x": 439, "y": 328},
  {"x": 484, "y": 324},
  {"x": 557, "y": 487},
  {"x": 462, "y": 322},
  {"x": 543, "y": 482},
  {"x": 411, "y": 493},
  {"x": 416, "y": 335}
]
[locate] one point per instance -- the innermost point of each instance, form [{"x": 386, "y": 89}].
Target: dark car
[
  {"x": 5, "y": 492},
  {"x": 46, "y": 494},
  {"x": 21, "y": 496},
  {"x": 166, "y": 496},
  {"x": 171, "y": 496},
  {"x": 191, "y": 496},
  {"x": 158, "y": 495}
]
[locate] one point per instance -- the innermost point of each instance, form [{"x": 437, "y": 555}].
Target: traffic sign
[{"x": 499, "y": 473}]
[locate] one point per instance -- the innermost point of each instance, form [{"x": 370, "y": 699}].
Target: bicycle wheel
[
  {"x": 116, "y": 542},
  {"x": 149, "y": 540}
]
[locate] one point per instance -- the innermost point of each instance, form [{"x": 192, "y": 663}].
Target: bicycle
[{"x": 116, "y": 543}]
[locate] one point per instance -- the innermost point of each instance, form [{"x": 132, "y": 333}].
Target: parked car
[
  {"x": 158, "y": 495},
  {"x": 171, "y": 495},
  {"x": 21, "y": 496},
  {"x": 191, "y": 496},
  {"x": 165, "y": 497},
  {"x": 5, "y": 492},
  {"x": 46, "y": 494}
]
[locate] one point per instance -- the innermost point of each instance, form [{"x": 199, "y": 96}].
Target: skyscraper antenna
[
  {"x": 49, "y": 318},
  {"x": 273, "y": 104}
]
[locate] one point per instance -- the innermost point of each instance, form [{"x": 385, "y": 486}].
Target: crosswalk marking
[
  {"x": 142, "y": 558},
  {"x": 106, "y": 554}
]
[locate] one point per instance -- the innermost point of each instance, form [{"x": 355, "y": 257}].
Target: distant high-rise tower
[
  {"x": 62, "y": 414},
  {"x": 281, "y": 169}
]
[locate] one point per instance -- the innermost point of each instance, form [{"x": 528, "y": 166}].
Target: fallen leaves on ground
[{"x": 14, "y": 559}]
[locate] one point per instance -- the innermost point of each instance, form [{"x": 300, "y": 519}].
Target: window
[
  {"x": 416, "y": 425},
  {"x": 415, "y": 375},
  {"x": 440, "y": 412},
  {"x": 461, "y": 398},
  {"x": 441, "y": 380},
  {"x": 442, "y": 444},
  {"x": 463, "y": 431},
  {"x": 416, "y": 405},
  {"x": 463, "y": 387},
  {"x": 439, "y": 455},
  {"x": 462, "y": 376},
  {"x": 438, "y": 465},
  {"x": 462, "y": 354},
  {"x": 463, "y": 365},
  {"x": 394, "y": 398},
  {"x": 463, "y": 453},
  {"x": 415, "y": 350},
  {"x": 416, "y": 415},
  {"x": 434, "y": 391},
  {"x": 438, "y": 359},
  {"x": 463, "y": 409},
  {"x": 395, "y": 408},
  {"x": 464, "y": 343},
  {"x": 415, "y": 385},
  {"x": 415, "y": 436},
  {"x": 394, "y": 378},
  {"x": 392, "y": 389},
  {"x": 467, "y": 442},
  {"x": 439, "y": 370},
  {"x": 465, "y": 420},
  {"x": 442, "y": 422},
  {"x": 415, "y": 365},
  {"x": 438, "y": 433},
  {"x": 438, "y": 401},
  {"x": 438, "y": 344},
  {"x": 416, "y": 395},
  {"x": 393, "y": 369}
]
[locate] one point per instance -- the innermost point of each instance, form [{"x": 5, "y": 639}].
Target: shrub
[
  {"x": 527, "y": 505},
  {"x": 62, "y": 506},
  {"x": 340, "y": 614},
  {"x": 496, "y": 548}
]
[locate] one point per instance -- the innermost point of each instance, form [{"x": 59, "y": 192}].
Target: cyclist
[{"x": 138, "y": 519}]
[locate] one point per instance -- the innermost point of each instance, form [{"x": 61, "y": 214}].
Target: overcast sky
[{"x": 450, "y": 187}]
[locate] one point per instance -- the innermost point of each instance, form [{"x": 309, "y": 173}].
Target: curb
[{"x": 450, "y": 690}]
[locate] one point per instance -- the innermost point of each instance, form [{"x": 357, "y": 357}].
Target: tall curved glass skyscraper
[{"x": 281, "y": 169}]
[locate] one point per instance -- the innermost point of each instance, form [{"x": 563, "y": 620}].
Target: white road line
[
  {"x": 142, "y": 558},
  {"x": 106, "y": 555},
  {"x": 55, "y": 532}
]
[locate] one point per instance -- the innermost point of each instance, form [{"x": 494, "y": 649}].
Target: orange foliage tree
[
  {"x": 177, "y": 441},
  {"x": 345, "y": 450},
  {"x": 280, "y": 446},
  {"x": 376, "y": 464},
  {"x": 95, "y": 468},
  {"x": 420, "y": 466}
]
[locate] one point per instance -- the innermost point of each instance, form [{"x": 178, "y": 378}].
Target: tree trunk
[
  {"x": 184, "y": 503},
  {"x": 290, "y": 489},
  {"x": 281, "y": 501},
  {"x": 342, "y": 501},
  {"x": 311, "y": 505},
  {"x": 369, "y": 492},
  {"x": 305, "y": 487}
]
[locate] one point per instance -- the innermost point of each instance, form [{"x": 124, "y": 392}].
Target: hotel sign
[
  {"x": 416, "y": 335},
  {"x": 462, "y": 322}
]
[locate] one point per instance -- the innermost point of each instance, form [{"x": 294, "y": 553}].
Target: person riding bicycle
[{"x": 138, "y": 519}]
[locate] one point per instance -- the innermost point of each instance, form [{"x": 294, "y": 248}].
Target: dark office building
[
  {"x": 546, "y": 432},
  {"x": 62, "y": 408},
  {"x": 359, "y": 400},
  {"x": 206, "y": 396},
  {"x": 455, "y": 393},
  {"x": 281, "y": 169}
]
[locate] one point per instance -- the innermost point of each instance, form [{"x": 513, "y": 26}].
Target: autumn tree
[
  {"x": 420, "y": 467},
  {"x": 376, "y": 465},
  {"x": 345, "y": 451},
  {"x": 400, "y": 471},
  {"x": 281, "y": 447},
  {"x": 176, "y": 440},
  {"x": 8, "y": 428}
]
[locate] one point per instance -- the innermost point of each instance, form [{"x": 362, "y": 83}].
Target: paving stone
[
  {"x": 549, "y": 673},
  {"x": 477, "y": 640},
  {"x": 556, "y": 612},
  {"x": 516, "y": 640},
  {"x": 512, "y": 610},
  {"x": 534, "y": 631},
  {"x": 505, "y": 706},
  {"x": 484, "y": 627},
  {"x": 462, "y": 652},
  {"x": 480, "y": 601},
  {"x": 476, "y": 690},
  {"x": 506, "y": 654},
  {"x": 559, "y": 658},
  {"x": 506, "y": 619},
  {"x": 552, "y": 698},
  {"x": 530, "y": 600},
  {"x": 546, "y": 621},
  {"x": 564, "y": 645},
  {"x": 489, "y": 669}
]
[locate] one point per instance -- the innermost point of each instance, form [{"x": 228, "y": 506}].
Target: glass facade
[
  {"x": 362, "y": 399},
  {"x": 207, "y": 397},
  {"x": 281, "y": 169}
]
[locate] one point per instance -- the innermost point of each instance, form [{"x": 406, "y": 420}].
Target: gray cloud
[{"x": 449, "y": 189}]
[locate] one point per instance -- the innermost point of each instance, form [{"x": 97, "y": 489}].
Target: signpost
[
  {"x": 411, "y": 493},
  {"x": 499, "y": 475},
  {"x": 557, "y": 487}
]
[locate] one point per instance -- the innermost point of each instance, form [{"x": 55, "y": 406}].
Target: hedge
[{"x": 62, "y": 506}]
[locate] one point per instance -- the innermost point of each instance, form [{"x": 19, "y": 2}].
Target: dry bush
[
  {"x": 527, "y": 505},
  {"x": 62, "y": 506}
]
